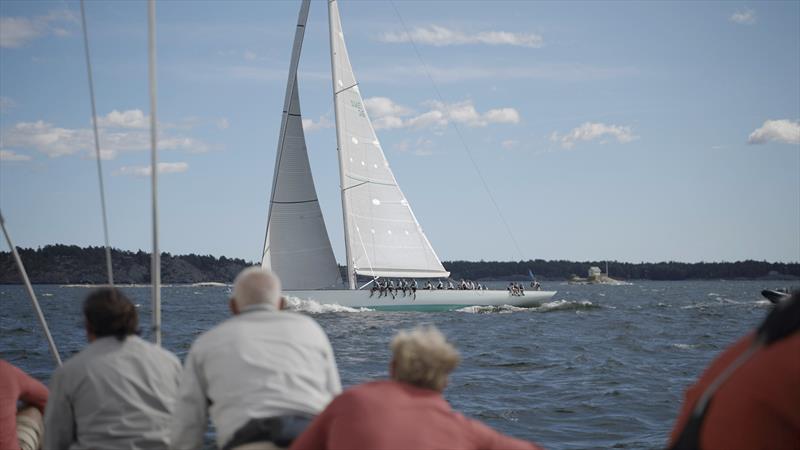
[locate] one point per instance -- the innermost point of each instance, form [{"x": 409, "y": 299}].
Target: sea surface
[{"x": 596, "y": 367}]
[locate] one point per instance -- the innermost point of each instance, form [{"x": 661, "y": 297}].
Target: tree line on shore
[{"x": 71, "y": 264}]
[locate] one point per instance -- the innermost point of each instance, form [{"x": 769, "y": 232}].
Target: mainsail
[
  {"x": 296, "y": 246},
  {"x": 382, "y": 236}
]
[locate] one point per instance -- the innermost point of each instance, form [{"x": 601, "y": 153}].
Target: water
[{"x": 597, "y": 367}]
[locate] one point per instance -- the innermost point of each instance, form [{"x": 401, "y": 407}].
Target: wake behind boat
[{"x": 383, "y": 238}]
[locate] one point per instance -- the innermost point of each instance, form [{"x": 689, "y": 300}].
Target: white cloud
[
  {"x": 8, "y": 155},
  {"x": 508, "y": 144},
  {"x": 784, "y": 131},
  {"x": 132, "y": 118},
  {"x": 441, "y": 36},
  {"x": 223, "y": 123},
  {"x": 119, "y": 132},
  {"x": 561, "y": 72},
  {"x": 421, "y": 147},
  {"x": 15, "y": 32},
  {"x": 145, "y": 171},
  {"x": 590, "y": 131},
  {"x": 387, "y": 114},
  {"x": 310, "y": 126},
  {"x": 746, "y": 17},
  {"x": 6, "y": 104},
  {"x": 384, "y": 106},
  {"x": 250, "y": 55}
]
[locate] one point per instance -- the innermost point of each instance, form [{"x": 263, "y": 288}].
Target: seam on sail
[
  {"x": 289, "y": 203},
  {"x": 342, "y": 90}
]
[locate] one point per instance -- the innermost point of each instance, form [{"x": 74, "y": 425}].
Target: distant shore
[{"x": 73, "y": 265}]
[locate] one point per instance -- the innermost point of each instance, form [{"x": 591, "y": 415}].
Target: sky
[{"x": 631, "y": 131}]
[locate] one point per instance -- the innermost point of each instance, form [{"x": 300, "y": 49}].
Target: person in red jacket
[
  {"x": 749, "y": 397},
  {"x": 16, "y": 386},
  {"x": 406, "y": 412}
]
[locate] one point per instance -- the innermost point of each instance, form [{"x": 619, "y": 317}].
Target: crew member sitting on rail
[
  {"x": 20, "y": 429},
  {"x": 408, "y": 411},
  {"x": 261, "y": 374},
  {"x": 440, "y": 285},
  {"x": 428, "y": 285},
  {"x": 118, "y": 392}
]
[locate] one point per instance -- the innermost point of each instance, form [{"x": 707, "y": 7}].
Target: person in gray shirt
[{"x": 118, "y": 392}]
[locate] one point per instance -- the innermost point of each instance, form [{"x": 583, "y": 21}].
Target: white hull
[{"x": 425, "y": 299}]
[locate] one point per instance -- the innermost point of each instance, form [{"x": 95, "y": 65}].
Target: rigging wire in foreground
[
  {"x": 31, "y": 294},
  {"x": 155, "y": 266},
  {"x": 460, "y": 136},
  {"x": 109, "y": 269}
]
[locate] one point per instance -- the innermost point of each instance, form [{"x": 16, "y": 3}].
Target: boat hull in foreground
[{"x": 426, "y": 300}]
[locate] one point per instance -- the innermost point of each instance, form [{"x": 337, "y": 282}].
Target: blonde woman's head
[{"x": 423, "y": 357}]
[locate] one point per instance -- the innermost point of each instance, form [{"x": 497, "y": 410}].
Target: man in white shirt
[
  {"x": 261, "y": 375},
  {"x": 118, "y": 392}
]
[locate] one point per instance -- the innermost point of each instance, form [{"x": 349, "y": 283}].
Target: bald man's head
[{"x": 256, "y": 286}]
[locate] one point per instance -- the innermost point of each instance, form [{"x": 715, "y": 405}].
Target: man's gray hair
[
  {"x": 423, "y": 357},
  {"x": 256, "y": 286}
]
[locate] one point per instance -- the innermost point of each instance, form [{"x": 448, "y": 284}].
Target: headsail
[
  {"x": 297, "y": 246},
  {"x": 383, "y": 237}
]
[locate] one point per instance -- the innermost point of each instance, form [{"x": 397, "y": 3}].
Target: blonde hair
[
  {"x": 423, "y": 357},
  {"x": 256, "y": 286}
]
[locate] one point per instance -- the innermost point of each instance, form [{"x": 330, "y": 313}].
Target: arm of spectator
[
  {"x": 59, "y": 421},
  {"x": 334, "y": 383},
  {"x": 490, "y": 439},
  {"x": 190, "y": 415},
  {"x": 31, "y": 390}
]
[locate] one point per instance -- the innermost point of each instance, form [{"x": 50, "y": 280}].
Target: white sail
[
  {"x": 296, "y": 246},
  {"x": 383, "y": 237}
]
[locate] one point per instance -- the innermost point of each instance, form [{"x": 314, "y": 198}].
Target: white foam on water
[
  {"x": 314, "y": 307},
  {"x": 557, "y": 305},
  {"x": 685, "y": 346}
]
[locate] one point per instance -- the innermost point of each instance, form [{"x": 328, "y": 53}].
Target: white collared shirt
[
  {"x": 112, "y": 395},
  {"x": 258, "y": 364}
]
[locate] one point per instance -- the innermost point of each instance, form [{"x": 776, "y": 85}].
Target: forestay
[
  {"x": 297, "y": 246},
  {"x": 383, "y": 236}
]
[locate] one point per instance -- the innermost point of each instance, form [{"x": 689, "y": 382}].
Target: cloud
[
  {"x": 145, "y": 171},
  {"x": 250, "y": 55},
  {"x": 421, "y": 147},
  {"x": 119, "y": 132},
  {"x": 16, "y": 32},
  {"x": 590, "y": 131},
  {"x": 6, "y": 104},
  {"x": 508, "y": 144},
  {"x": 223, "y": 123},
  {"x": 8, "y": 155},
  {"x": 784, "y": 131},
  {"x": 387, "y": 114},
  {"x": 133, "y": 118},
  {"x": 561, "y": 72},
  {"x": 310, "y": 126},
  {"x": 746, "y": 17},
  {"x": 441, "y": 36}
]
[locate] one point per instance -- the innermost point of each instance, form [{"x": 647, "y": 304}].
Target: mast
[
  {"x": 351, "y": 275},
  {"x": 290, "y": 86}
]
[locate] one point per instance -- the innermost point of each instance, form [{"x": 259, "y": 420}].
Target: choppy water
[{"x": 598, "y": 367}]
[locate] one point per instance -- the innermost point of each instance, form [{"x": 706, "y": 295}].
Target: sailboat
[{"x": 383, "y": 238}]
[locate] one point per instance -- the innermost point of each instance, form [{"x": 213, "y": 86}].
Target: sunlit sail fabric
[
  {"x": 297, "y": 246},
  {"x": 383, "y": 236}
]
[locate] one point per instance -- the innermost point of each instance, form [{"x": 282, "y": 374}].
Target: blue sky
[{"x": 605, "y": 130}]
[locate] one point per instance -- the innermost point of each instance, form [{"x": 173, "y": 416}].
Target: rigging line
[
  {"x": 31, "y": 294},
  {"x": 155, "y": 266},
  {"x": 460, "y": 136},
  {"x": 109, "y": 268}
]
